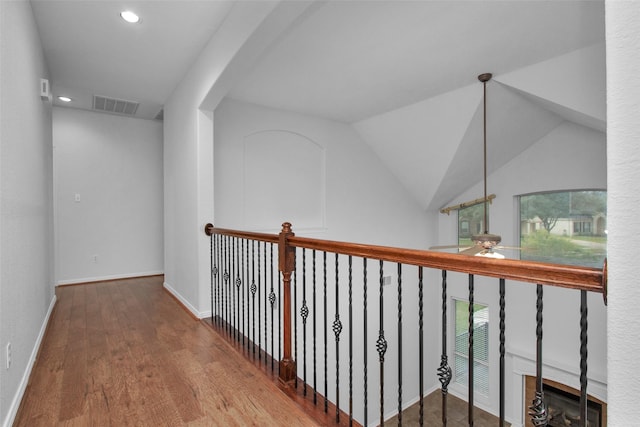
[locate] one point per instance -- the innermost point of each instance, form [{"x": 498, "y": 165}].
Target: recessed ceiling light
[
  {"x": 129, "y": 16},
  {"x": 64, "y": 98}
]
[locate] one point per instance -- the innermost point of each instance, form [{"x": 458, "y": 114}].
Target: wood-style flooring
[{"x": 125, "y": 353}]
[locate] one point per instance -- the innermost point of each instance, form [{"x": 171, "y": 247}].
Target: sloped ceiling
[{"x": 404, "y": 74}]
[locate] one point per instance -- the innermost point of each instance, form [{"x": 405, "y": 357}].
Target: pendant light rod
[{"x": 484, "y": 78}]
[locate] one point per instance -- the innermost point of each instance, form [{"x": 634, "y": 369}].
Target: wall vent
[{"x": 112, "y": 105}]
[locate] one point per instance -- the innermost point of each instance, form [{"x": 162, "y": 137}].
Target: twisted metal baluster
[
  {"x": 502, "y": 351},
  {"x": 337, "y": 328},
  {"x": 381, "y": 344},
  {"x": 471, "y": 277},
  {"x": 295, "y": 318},
  {"x": 216, "y": 274},
  {"x": 538, "y": 408},
  {"x": 304, "y": 312},
  {"x": 420, "y": 346},
  {"x": 583, "y": 358},
  {"x": 399, "y": 344},
  {"x": 364, "y": 345},
  {"x": 444, "y": 371}
]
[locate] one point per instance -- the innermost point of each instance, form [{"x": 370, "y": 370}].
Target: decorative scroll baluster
[
  {"x": 227, "y": 284},
  {"x": 538, "y": 408},
  {"x": 241, "y": 293},
  {"x": 337, "y": 328},
  {"x": 350, "y": 342},
  {"x": 304, "y": 312},
  {"x": 502, "y": 350},
  {"x": 470, "y": 369},
  {"x": 253, "y": 297},
  {"x": 279, "y": 319},
  {"x": 444, "y": 371},
  {"x": 234, "y": 262},
  {"x": 399, "y": 344},
  {"x": 272, "y": 301},
  {"x": 381, "y": 344},
  {"x": 420, "y": 347},
  {"x": 259, "y": 306},
  {"x": 315, "y": 374},
  {"x": 216, "y": 273},
  {"x": 246, "y": 290},
  {"x": 364, "y": 344},
  {"x": 237, "y": 290},
  {"x": 583, "y": 358},
  {"x": 326, "y": 387},
  {"x": 212, "y": 274}
]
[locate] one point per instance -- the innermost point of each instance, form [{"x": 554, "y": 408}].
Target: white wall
[
  {"x": 114, "y": 165},
  {"x": 26, "y": 236},
  {"x": 362, "y": 202},
  {"x": 188, "y": 146},
  {"x": 569, "y": 157},
  {"x": 623, "y": 151}
]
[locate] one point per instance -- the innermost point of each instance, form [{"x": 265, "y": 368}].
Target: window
[
  {"x": 470, "y": 222},
  {"x": 564, "y": 227},
  {"x": 480, "y": 346}
]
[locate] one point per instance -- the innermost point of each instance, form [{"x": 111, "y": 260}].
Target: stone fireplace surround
[{"x": 524, "y": 365}]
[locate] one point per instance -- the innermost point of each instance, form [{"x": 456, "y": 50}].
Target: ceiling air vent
[{"x": 112, "y": 105}]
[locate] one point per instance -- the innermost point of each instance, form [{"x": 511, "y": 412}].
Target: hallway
[{"x": 125, "y": 353}]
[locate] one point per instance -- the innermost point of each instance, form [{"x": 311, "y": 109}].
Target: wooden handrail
[{"x": 566, "y": 276}]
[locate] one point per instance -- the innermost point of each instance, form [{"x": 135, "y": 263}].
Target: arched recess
[{"x": 284, "y": 180}]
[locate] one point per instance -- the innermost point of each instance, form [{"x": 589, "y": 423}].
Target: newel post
[{"x": 287, "y": 264}]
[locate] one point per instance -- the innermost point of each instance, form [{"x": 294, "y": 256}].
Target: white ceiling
[
  {"x": 90, "y": 50},
  {"x": 403, "y": 73}
]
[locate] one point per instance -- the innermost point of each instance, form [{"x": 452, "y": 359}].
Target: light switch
[{"x": 77, "y": 197}]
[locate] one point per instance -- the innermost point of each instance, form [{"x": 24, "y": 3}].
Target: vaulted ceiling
[{"x": 402, "y": 73}]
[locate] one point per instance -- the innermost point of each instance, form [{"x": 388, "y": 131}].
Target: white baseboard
[
  {"x": 15, "y": 403},
  {"x": 105, "y": 278},
  {"x": 187, "y": 304}
]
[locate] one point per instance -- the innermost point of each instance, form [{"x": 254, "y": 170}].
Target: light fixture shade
[
  {"x": 64, "y": 99},
  {"x": 130, "y": 16}
]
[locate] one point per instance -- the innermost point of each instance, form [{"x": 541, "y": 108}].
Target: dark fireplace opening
[{"x": 563, "y": 409}]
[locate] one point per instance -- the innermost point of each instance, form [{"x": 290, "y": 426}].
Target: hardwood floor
[{"x": 125, "y": 353}]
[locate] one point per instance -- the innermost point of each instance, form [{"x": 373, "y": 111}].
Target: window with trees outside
[
  {"x": 470, "y": 222},
  {"x": 480, "y": 346},
  {"x": 564, "y": 227}
]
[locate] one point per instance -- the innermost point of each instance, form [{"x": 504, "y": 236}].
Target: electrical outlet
[
  {"x": 8, "y": 355},
  {"x": 94, "y": 259},
  {"x": 386, "y": 280}
]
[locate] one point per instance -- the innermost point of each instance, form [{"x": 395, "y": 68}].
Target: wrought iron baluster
[
  {"x": 279, "y": 318},
  {"x": 326, "y": 388},
  {"x": 211, "y": 273},
  {"x": 272, "y": 301},
  {"x": 238, "y": 291},
  {"x": 502, "y": 351},
  {"x": 315, "y": 374},
  {"x": 364, "y": 345},
  {"x": 470, "y": 369},
  {"x": 337, "y": 328},
  {"x": 444, "y": 371},
  {"x": 583, "y": 358},
  {"x": 538, "y": 408},
  {"x": 245, "y": 321},
  {"x": 350, "y": 341},
  {"x": 233, "y": 287},
  {"x": 295, "y": 318},
  {"x": 242, "y": 292},
  {"x": 266, "y": 297},
  {"x": 253, "y": 298},
  {"x": 420, "y": 346},
  {"x": 381, "y": 343},
  {"x": 227, "y": 285},
  {"x": 304, "y": 312},
  {"x": 216, "y": 273},
  {"x": 259, "y": 306},
  {"x": 399, "y": 344}
]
